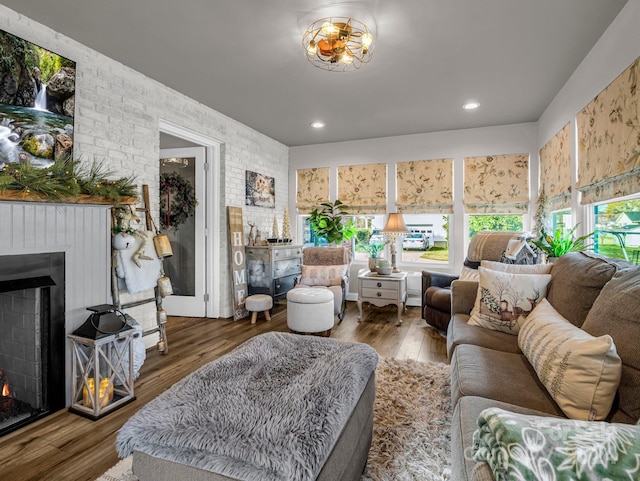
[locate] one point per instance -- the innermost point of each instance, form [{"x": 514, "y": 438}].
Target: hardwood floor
[{"x": 68, "y": 447}]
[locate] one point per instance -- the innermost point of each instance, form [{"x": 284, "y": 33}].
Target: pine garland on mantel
[{"x": 66, "y": 181}]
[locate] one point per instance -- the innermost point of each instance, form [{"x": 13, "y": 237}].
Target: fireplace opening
[{"x": 31, "y": 338}]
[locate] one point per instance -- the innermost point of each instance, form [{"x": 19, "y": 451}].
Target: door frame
[{"x": 211, "y": 209}]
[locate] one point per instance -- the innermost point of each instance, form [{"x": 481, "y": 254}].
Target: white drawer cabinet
[{"x": 382, "y": 290}]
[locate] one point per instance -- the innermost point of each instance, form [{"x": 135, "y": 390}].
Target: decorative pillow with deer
[{"x": 505, "y": 299}]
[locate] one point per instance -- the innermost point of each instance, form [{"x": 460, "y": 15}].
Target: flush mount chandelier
[{"x": 338, "y": 43}]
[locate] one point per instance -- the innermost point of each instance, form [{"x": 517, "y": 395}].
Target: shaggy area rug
[{"x": 412, "y": 421}]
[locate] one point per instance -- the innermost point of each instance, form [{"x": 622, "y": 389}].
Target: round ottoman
[
  {"x": 310, "y": 310},
  {"x": 258, "y": 303}
]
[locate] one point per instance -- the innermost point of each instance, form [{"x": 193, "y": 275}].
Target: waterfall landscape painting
[{"x": 37, "y": 102}]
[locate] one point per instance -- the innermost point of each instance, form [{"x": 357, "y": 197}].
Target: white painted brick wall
[{"x": 116, "y": 122}]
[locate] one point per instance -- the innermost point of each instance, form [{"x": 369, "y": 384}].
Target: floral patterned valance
[
  {"x": 555, "y": 169},
  {"x": 496, "y": 184},
  {"x": 609, "y": 140},
  {"x": 363, "y": 188},
  {"x": 425, "y": 186},
  {"x": 313, "y": 188}
]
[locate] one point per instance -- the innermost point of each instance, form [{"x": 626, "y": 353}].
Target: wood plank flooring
[{"x": 68, "y": 447}]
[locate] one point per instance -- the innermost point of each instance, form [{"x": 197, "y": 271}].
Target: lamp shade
[{"x": 395, "y": 225}]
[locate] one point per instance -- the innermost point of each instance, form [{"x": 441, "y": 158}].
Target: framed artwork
[
  {"x": 260, "y": 190},
  {"x": 37, "y": 102}
]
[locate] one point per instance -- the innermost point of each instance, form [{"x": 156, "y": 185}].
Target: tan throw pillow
[
  {"x": 323, "y": 275},
  {"x": 504, "y": 300},
  {"x": 518, "y": 268},
  {"x": 580, "y": 372},
  {"x": 469, "y": 274}
]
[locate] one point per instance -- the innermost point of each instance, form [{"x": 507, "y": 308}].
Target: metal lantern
[{"x": 102, "y": 363}]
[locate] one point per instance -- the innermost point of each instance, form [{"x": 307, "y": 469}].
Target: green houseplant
[
  {"x": 327, "y": 221},
  {"x": 559, "y": 244},
  {"x": 374, "y": 250}
]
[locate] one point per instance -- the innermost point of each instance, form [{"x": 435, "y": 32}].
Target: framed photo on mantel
[{"x": 238, "y": 262}]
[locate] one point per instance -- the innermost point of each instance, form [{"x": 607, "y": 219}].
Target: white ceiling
[{"x": 244, "y": 58}]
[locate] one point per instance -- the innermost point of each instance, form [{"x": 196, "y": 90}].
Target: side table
[{"x": 381, "y": 291}]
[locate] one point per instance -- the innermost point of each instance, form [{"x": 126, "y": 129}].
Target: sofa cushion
[
  {"x": 576, "y": 281},
  {"x": 323, "y": 275},
  {"x": 461, "y": 332},
  {"x": 463, "y": 424},
  {"x": 616, "y": 312},
  {"x": 504, "y": 299},
  {"x": 502, "y": 376},
  {"x": 580, "y": 371}
]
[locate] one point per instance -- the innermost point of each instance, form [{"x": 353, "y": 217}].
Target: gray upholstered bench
[{"x": 279, "y": 407}]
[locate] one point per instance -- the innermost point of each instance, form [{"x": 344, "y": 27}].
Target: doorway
[{"x": 189, "y": 177}]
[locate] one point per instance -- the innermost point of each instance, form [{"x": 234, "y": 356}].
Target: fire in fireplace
[
  {"x": 32, "y": 342},
  {"x": 11, "y": 410}
]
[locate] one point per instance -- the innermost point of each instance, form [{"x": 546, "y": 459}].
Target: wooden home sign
[{"x": 238, "y": 263}]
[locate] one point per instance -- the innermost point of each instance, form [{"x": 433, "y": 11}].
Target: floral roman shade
[
  {"x": 363, "y": 188},
  {"x": 609, "y": 140},
  {"x": 425, "y": 186},
  {"x": 496, "y": 184},
  {"x": 555, "y": 169},
  {"x": 313, "y": 188}
]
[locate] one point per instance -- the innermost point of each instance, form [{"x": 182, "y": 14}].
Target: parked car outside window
[{"x": 416, "y": 241}]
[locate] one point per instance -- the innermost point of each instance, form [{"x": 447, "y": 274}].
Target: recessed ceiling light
[
  {"x": 318, "y": 124},
  {"x": 471, "y": 105}
]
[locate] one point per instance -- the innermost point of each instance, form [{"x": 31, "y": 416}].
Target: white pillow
[
  {"x": 504, "y": 300},
  {"x": 518, "y": 268},
  {"x": 580, "y": 372},
  {"x": 323, "y": 275}
]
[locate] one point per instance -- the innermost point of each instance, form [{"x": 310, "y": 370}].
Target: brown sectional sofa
[{"x": 598, "y": 294}]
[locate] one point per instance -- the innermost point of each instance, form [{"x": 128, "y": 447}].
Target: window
[
  {"x": 480, "y": 222},
  {"x": 617, "y": 229},
  {"x": 368, "y": 232},
  {"x": 428, "y": 241},
  {"x": 561, "y": 220}
]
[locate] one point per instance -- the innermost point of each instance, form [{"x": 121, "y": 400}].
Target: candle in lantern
[{"x": 105, "y": 394}]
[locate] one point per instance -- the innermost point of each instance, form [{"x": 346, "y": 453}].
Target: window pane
[
  {"x": 494, "y": 222},
  {"x": 561, "y": 220},
  {"x": 618, "y": 229},
  {"x": 368, "y": 232},
  {"x": 428, "y": 241}
]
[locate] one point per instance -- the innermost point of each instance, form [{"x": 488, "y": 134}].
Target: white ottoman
[
  {"x": 310, "y": 310},
  {"x": 258, "y": 303}
]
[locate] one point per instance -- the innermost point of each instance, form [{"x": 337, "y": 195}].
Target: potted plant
[
  {"x": 559, "y": 244},
  {"x": 374, "y": 250},
  {"x": 327, "y": 221}
]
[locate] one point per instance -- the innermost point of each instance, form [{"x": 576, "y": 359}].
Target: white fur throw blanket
[{"x": 272, "y": 409}]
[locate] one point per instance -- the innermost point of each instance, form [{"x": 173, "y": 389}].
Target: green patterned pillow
[
  {"x": 580, "y": 372},
  {"x": 519, "y": 447}
]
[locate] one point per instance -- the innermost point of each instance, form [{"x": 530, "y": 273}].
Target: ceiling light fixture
[
  {"x": 471, "y": 105},
  {"x": 338, "y": 43},
  {"x": 318, "y": 124}
]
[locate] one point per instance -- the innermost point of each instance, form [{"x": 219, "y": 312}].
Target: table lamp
[{"x": 394, "y": 228}]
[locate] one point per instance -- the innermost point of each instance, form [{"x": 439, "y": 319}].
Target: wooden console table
[{"x": 382, "y": 290}]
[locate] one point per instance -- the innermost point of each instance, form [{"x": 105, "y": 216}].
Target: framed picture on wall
[
  {"x": 260, "y": 190},
  {"x": 37, "y": 102}
]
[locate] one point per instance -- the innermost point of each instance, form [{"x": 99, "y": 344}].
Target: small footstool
[
  {"x": 310, "y": 310},
  {"x": 259, "y": 303}
]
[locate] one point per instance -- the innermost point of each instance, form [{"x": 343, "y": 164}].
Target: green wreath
[{"x": 177, "y": 200}]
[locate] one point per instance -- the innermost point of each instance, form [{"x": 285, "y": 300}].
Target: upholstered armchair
[
  {"x": 485, "y": 245},
  {"x": 327, "y": 267}
]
